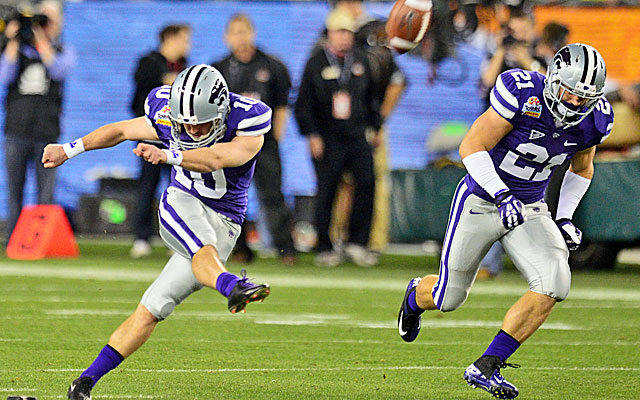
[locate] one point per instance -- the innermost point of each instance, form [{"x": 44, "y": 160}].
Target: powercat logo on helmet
[
  {"x": 563, "y": 58},
  {"x": 219, "y": 94}
]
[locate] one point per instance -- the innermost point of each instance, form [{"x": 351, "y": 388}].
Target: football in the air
[{"x": 408, "y": 22}]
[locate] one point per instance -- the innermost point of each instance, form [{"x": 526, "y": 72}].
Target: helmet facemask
[
  {"x": 216, "y": 132},
  {"x": 566, "y": 114}
]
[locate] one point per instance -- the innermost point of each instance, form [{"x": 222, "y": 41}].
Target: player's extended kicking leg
[{"x": 197, "y": 263}]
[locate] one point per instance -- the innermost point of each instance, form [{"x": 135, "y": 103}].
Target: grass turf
[{"x": 323, "y": 333}]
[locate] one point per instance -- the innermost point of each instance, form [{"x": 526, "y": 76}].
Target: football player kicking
[
  {"x": 213, "y": 136},
  {"x": 534, "y": 124}
]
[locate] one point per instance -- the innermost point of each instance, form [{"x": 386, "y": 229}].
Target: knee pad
[
  {"x": 555, "y": 282},
  {"x": 159, "y": 306},
  {"x": 453, "y": 299},
  {"x": 174, "y": 284}
]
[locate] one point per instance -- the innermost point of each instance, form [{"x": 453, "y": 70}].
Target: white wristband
[
  {"x": 74, "y": 148},
  {"x": 572, "y": 190},
  {"x": 174, "y": 157},
  {"x": 480, "y": 166}
]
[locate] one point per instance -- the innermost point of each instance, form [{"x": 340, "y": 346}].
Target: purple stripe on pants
[
  {"x": 451, "y": 230},
  {"x": 173, "y": 233},
  {"x": 182, "y": 224}
]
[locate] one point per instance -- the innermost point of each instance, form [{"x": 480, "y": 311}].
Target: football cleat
[
  {"x": 80, "y": 389},
  {"x": 245, "y": 292},
  {"x": 496, "y": 385},
  {"x": 409, "y": 322}
]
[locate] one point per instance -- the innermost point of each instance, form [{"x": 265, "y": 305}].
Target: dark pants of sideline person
[
  {"x": 19, "y": 152},
  {"x": 268, "y": 179},
  {"x": 147, "y": 183},
  {"x": 340, "y": 154}
]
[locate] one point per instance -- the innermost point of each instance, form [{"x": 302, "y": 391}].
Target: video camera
[{"x": 26, "y": 20}]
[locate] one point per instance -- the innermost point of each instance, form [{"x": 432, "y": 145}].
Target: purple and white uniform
[
  {"x": 524, "y": 159},
  {"x": 199, "y": 209},
  {"x": 223, "y": 191}
]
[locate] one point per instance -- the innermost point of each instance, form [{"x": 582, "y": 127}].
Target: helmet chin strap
[{"x": 205, "y": 140}]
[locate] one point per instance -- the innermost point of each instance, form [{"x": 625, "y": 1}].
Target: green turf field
[{"x": 322, "y": 334}]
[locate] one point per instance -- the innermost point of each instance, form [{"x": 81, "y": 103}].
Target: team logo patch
[
  {"x": 532, "y": 107},
  {"x": 262, "y": 75},
  {"x": 330, "y": 73},
  {"x": 162, "y": 116},
  {"x": 535, "y": 134},
  {"x": 357, "y": 69}
]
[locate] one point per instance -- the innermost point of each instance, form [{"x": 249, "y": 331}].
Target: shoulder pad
[
  {"x": 248, "y": 116},
  {"x": 603, "y": 118},
  {"x": 513, "y": 88}
]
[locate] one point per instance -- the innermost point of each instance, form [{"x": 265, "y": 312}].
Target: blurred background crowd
[{"x": 69, "y": 67}]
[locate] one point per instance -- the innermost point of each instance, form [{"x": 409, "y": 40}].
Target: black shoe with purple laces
[{"x": 246, "y": 292}]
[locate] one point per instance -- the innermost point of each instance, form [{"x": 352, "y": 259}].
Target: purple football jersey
[
  {"x": 526, "y": 157},
  {"x": 225, "y": 190}
]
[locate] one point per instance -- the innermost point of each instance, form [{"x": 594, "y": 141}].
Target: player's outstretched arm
[
  {"x": 207, "y": 159},
  {"x": 223, "y": 155},
  {"x": 106, "y": 136}
]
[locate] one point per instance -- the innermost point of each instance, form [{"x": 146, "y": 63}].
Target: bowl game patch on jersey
[
  {"x": 532, "y": 107},
  {"x": 162, "y": 116}
]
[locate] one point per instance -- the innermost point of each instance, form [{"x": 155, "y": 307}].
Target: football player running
[
  {"x": 213, "y": 136},
  {"x": 534, "y": 124}
]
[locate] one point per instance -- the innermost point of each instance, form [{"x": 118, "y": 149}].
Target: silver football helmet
[
  {"x": 578, "y": 69},
  {"x": 199, "y": 94}
]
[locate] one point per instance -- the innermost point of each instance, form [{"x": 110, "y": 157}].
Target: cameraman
[
  {"x": 515, "y": 49},
  {"x": 33, "y": 66}
]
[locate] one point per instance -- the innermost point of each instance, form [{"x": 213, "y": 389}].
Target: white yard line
[
  {"x": 143, "y": 275},
  {"x": 302, "y": 319},
  {"x": 110, "y": 396},
  {"x": 288, "y": 342},
  {"x": 330, "y": 369},
  {"x": 577, "y": 304}
]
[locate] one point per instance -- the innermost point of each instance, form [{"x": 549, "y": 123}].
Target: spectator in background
[
  {"x": 628, "y": 94},
  {"x": 514, "y": 49},
  {"x": 157, "y": 68},
  {"x": 390, "y": 83},
  {"x": 554, "y": 37},
  {"x": 33, "y": 66},
  {"x": 353, "y": 8},
  {"x": 254, "y": 74},
  {"x": 336, "y": 105}
]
